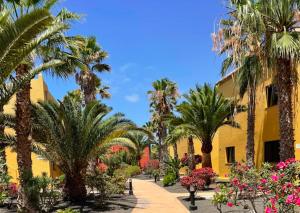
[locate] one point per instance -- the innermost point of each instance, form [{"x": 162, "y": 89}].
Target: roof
[{"x": 226, "y": 77}]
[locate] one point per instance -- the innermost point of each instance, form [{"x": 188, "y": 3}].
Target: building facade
[
  {"x": 229, "y": 144},
  {"x": 39, "y": 92}
]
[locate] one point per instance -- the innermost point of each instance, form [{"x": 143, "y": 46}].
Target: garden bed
[
  {"x": 205, "y": 205},
  {"x": 116, "y": 204}
]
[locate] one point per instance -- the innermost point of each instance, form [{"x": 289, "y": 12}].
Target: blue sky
[{"x": 147, "y": 40}]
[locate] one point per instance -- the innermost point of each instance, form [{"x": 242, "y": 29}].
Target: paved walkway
[{"x": 153, "y": 199}]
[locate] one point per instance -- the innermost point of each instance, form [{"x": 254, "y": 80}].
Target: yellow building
[
  {"x": 229, "y": 144},
  {"x": 39, "y": 92}
]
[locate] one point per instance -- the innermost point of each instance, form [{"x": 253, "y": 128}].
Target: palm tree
[
  {"x": 91, "y": 57},
  {"x": 177, "y": 132},
  {"x": 23, "y": 113},
  {"x": 163, "y": 99},
  {"x": 277, "y": 24},
  {"x": 237, "y": 41},
  {"x": 137, "y": 141},
  {"x": 202, "y": 113},
  {"x": 71, "y": 134},
  {"x": 282, "y": 47},
  {"x": 18, "y": 39}
]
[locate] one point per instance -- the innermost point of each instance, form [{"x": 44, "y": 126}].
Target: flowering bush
[
  {"x": 189, "y": 181},
  {"x": 198, "y": 178},
  {"x": 205, "y": 174},
  {"x": 152, "y": 165},
  {"x": 278, "y": 186},
  {"x": 13, "y": 190},
  {"x": 102, "y": 167}
]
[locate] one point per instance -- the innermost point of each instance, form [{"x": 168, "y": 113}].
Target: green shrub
[
  {"x": 116, "y": 185},
  {"x": 155, "y": 172},
  {"x": 49, "y": 191},
  {"x": 68, "y": 210},
  {"x": 132, "y": 171},
  {"x": 169, "y": 179},
  {"x": 128, "y": 171},
  {"x": 3, "y": 197},
  {"x": 105, "y": 185}
]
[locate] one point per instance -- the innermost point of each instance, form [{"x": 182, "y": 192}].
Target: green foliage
[
  {"x": 4, "y": 177},
  {"x": 106, "y": 185},
  {"x": 3, "y": 197},
  {"x": 220, "y": 197},
  {"x": 155, "y": 172},
  {"x": 203, "y": 112},
  {"x": 43, "y": 191},
  {"x": 169, "y": 179},
  {"x": 116, "y": 160},
  {"x": 98, "y": 180},
  {"x": 117, "y": 185},
  {"x": 131, "y": 171},
  {"x": 137, "y": 141},
  {"x": 68, "y": 210},
  {"x": 173, "y": 166},
  {"x": 90, "y": 57},
  {"x": 127, "y": 171},
  {"x": 49, "y": 191}
]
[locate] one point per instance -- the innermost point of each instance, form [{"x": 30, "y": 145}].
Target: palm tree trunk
[
  {"x": 87, "y": 86},
  {"x": 286, "y": 117},
  {"x": 165, "y": 152},
  {"x": 175, "y": 151},
  {"x": 74, "y": 189},
  {"x": 2, "y": 147},
  {"x": 191, "y": 153},
  {"x": 23, "y": 146},
  {"x": 250, "y": 151},
  {"x": 206, "y": 153},
  {"x": 89, "y": 95}
]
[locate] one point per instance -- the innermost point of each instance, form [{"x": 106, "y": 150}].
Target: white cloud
[
  {"x": 126, "y": 66},
  {"x": 132, "y": 98}
]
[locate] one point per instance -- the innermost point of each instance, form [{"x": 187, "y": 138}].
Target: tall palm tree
[
  {"x": 18, "y": 39},
  {"x": 163, "y": 99},
  {"x": 91, "y": 57},
  {"x": 278, "y": 27},
  {"x": 282, "y": 48},
  {"x": 202, "y": 113},
  {"x": 23, "y": 113},
  {"x": 242, "y": 47},
  {"x": 71, "y": 134}
]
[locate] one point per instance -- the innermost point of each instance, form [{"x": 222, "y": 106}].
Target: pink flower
[
  {"x": 289, "y": 199},
  {"x": 263, "y": 180},
  {"x": 281, "y": 165},
  {"x": 268, "y": 210},
  {"x": 275, "y": 178},
  {"x": 230, "y": 204},
  {"x": 290, "y": 160},
  {"x": 298, "y": 202},
  {"x": 273, "y": 200}
]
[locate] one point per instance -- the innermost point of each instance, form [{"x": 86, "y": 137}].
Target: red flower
[{"x": 229, "y": 204}]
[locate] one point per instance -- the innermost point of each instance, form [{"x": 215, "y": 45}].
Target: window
[
  {"x": 272, "y": 152},
  {"x": 272, "y": 95},
  {"x": 230, "y": 154}
]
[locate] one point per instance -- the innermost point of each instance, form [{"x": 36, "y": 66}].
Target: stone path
[{"x": 153, "y": 199}]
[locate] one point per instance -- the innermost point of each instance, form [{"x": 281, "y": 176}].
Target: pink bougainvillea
[
  {"x": 196, "y": 179},
  {"x": 276, "y": 185}
]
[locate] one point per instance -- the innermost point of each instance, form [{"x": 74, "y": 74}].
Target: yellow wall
[
  {"x": 266, "y": 128},
  {"x": 39, "y": 92}
]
